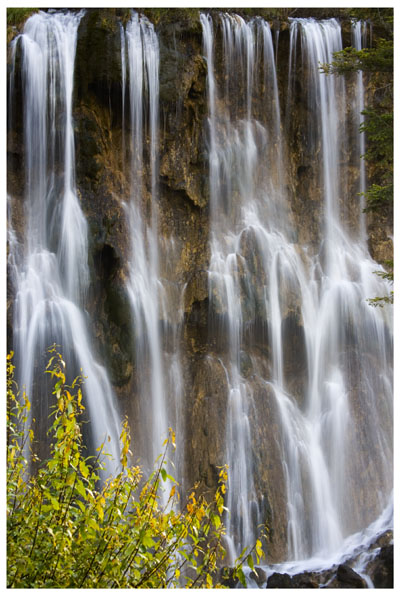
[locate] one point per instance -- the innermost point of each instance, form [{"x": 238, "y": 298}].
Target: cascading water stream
[
  {"x": 143, "y": 288},
  {"x": 238, "y": 144},
  {"x": 159, "y": 373},
  {"x": 359, "y": 34},
  {"x": 50, "y": 271},
  {"x": 325, "y": 289},
  {"x": 340, "y": 326}
]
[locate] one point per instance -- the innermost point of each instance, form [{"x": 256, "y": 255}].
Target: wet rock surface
[
  {"x": 379, "y": 569},
  {"x": 343, "y": 577},
  {"x": 346, "y": 577},
  {"x": 301, "y": 580}
]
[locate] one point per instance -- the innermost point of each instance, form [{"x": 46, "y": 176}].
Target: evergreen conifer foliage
[{"x": 377, "y": 62}]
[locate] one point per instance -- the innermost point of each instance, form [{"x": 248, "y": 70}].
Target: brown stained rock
[
  {"x": 259, "y": 576},
  {"x": 206, "y": 422},
  {"x": 102, "y": 188},
  {"x": 385, "y": 539},
  {"x": 380, "y": 234},
  {"x": 182, "y": 161},
  {"x": 380, "y": 569},
  {"x": 99, "y": 150},
  {"x": 183, "y": 107},
  {"x": 269, "y": 477},
  {"x": 295, "y": 365},
  {"x": 197, "y": 288},
  {"x": 346, "y": 577},
  {"x": 301, "y": 580},
  {"x": 187, "y": 227},
  {"x": 279, "y": 580},
  {"x": 98, "y": 56},
  {"x": 341, "y": 577}
]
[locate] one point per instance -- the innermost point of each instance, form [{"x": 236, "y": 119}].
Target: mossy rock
[
  {"x": 98, "y": 55},
  {"x": 187, "y": 20}
]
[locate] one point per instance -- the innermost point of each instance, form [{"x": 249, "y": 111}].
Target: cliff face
[{"x": 103, "y": 180}]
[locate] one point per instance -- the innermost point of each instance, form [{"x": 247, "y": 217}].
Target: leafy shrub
[{"x": 67, "y": 530}]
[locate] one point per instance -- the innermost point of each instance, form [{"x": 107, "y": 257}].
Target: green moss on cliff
[
  {"x": 189, "y": 18},
  {"x": 16, "y": 17},
  {"x": 98, "y": 62}
]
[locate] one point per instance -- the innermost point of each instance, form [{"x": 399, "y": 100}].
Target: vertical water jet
[
  {"x": 156, "y": 307},
  {"x": 49, "y": 268}
]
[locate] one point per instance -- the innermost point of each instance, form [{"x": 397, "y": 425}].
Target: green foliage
[
  {"x": 378, "y": 126},
  {"x": 381, "y": 300},
  {"x": 17, "y": 16},
  {"x": 379, "y": 58},
  {"x": 382, "y": 18},
  {"x": 265, "y": 13},
  {"x": 377, "y": 196},
  {"x": 389, "y": 276},
  {"x": 67, "y": 530},
  {"x": 187, "y": 18}
]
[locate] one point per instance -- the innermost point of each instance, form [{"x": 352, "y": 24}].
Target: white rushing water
[
  {"x": 357, "y": 546},
  {"x": 154, "y": 301},
  {"x": 359, "y": 40},
  {"x": 143, "y": 287},
  {"x": 336, "y": 440},
  {"x": 50, "y": 271},
  {"x": 243, "y": 197},
  {"x": 340, "y": 326}
]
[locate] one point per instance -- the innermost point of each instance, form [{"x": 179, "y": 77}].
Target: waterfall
[
  {"x": 318, "y": 288},
  {"x": 301, "y": 400},
  {"x": 340, "y": 330},
  {"x": 143, "y": 287},
  {"x": 159, "y": 374},
  {"x": 359, "y": 33},
  {"x": 123, "y": 84},
  {"x": 50, "y": 270}
]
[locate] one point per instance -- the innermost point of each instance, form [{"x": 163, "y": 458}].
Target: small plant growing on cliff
[
  {"x": 377, "y": 62},
  {"x": 65, "y": 530}
]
